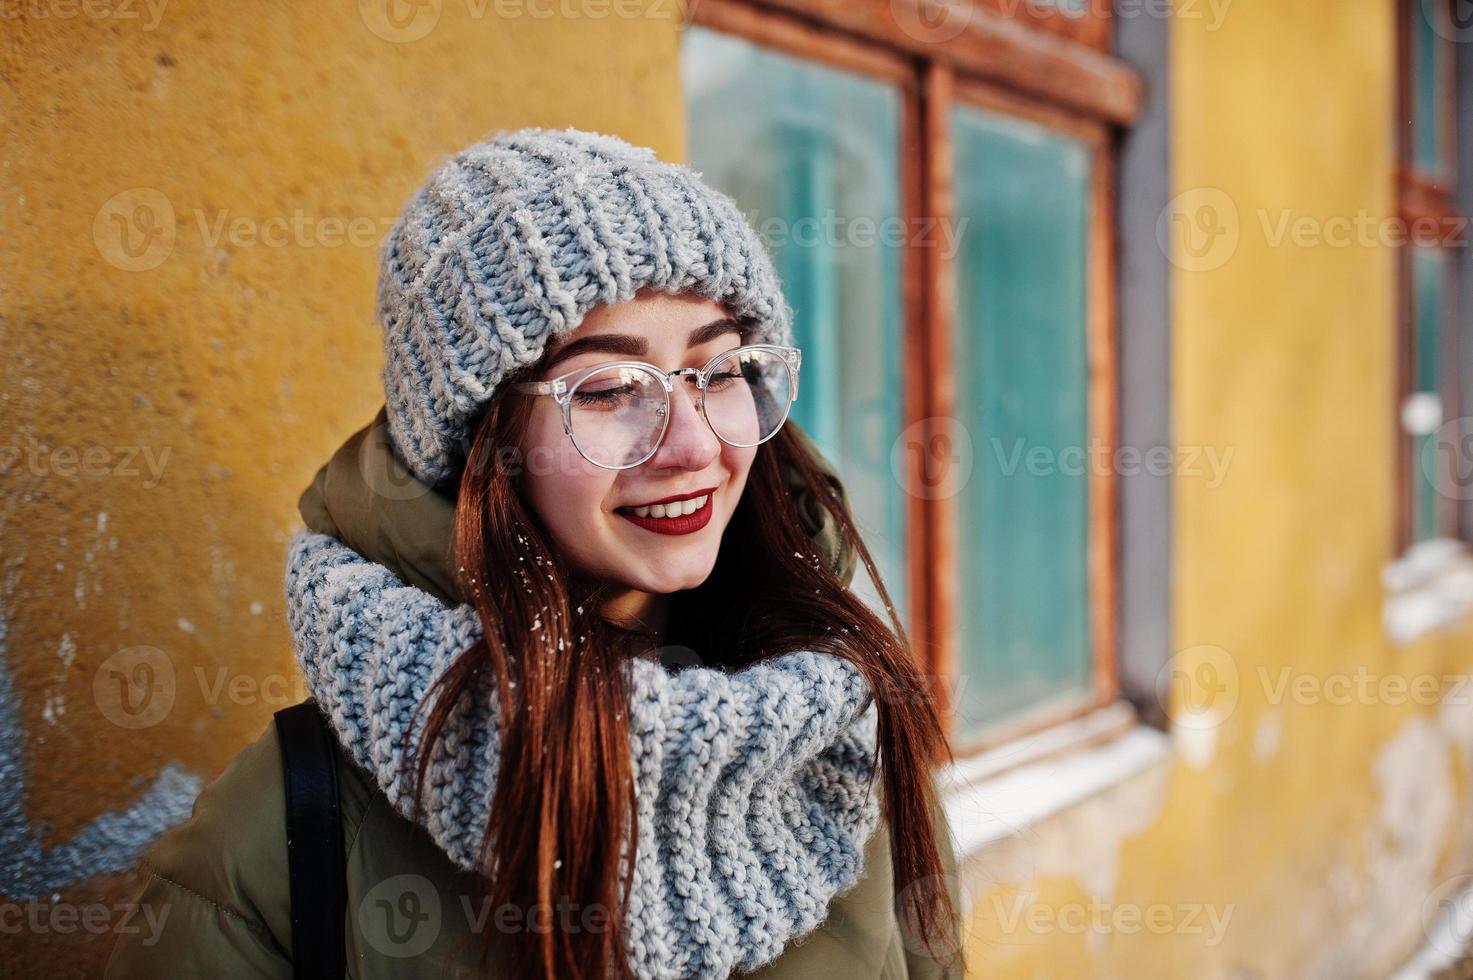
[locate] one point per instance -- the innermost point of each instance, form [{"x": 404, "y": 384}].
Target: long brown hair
[{"x": 564, "y": 800}]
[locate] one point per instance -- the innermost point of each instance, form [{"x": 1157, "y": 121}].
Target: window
[
  {"x": 1427, "y": 376},
  {"x": 811, "y": 155},
  {"x": 963, "y": 365},
  {"x": 1021, "y": 350}
]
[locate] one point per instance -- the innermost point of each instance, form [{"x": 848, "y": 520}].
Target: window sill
[
  {"x": 1007, "y": 790},
  {"x": 1428, "y": 588}
]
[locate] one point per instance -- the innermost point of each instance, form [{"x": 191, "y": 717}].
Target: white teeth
[{"x": 677, "y": 508}]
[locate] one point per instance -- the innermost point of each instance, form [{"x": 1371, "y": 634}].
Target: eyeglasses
[{"x": 616, "y": 413}]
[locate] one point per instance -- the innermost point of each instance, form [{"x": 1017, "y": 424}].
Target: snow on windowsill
[{"x": 1005, "y": 791}]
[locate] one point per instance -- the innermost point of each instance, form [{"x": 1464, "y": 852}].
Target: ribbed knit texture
[
  {"x": 513, "y": 240},
  {"x": 754, "y": 808}
]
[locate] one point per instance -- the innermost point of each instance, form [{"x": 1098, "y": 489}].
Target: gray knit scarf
[{"x": 752, "y": 785}]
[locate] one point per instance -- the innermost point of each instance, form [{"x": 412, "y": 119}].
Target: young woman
[{"x": 576, "y": 609}]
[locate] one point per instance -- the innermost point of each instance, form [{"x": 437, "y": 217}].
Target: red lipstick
[{"x": 684, "y": 524}]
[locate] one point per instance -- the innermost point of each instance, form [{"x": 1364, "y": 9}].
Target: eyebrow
[{"x": 628, "y": 345}]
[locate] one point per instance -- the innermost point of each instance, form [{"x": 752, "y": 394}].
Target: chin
[{"x": 676, "y": 576}]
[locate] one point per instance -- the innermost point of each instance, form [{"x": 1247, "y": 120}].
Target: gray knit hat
[{"x": 512, "y": 241}]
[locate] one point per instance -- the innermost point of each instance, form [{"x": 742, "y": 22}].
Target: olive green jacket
[{"x": 222, "y": 874}]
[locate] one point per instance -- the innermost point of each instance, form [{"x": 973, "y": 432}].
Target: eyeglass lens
[{"x": 617, "y": 414}]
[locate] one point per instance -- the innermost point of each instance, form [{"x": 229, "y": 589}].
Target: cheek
[
  {"x": 564, "y": 489},
  {"x": 738, "y": 463}
]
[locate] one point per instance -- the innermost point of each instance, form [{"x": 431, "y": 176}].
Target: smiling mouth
[
  {"x": 673, "y": 508},
  {"x": 672, "y": 516}
]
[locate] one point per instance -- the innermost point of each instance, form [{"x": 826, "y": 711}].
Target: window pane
[
  {"x": 1022, "y": 386},
  {"x": 1429, "y": 55},
  {"x": 811, "y": 156},
  {"x": 1429, "y": 312}
]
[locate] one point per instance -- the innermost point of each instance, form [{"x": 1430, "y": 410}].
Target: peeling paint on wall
[
  {"x": 111, "y": 842},
  {"x": 1087, "y": 845},
  {"x": 1413, "y": 772},
  {"x": 1082, "y": 843},
  {"x": 1456, "y": 721},
  {"x": 1196, "y": 744}
]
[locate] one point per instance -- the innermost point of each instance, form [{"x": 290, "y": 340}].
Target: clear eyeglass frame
[{"x": 562, "y": 387}]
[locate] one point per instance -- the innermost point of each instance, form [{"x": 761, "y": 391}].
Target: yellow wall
[
  {"x": 1321, "y": 828},
  {"x": 210, "y": 377},
  {"x": 210, "y": 360}
]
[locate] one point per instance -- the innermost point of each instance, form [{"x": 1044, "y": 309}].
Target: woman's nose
[{"x": 689, "y": 442}]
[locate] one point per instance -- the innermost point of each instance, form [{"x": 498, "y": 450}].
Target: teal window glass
[
  {"x": 1022, "y": 394},
  {"x": 810, "y": 154},
  {"x": 1429, "y": 54},
  {"x": 1429, "y": 315}
]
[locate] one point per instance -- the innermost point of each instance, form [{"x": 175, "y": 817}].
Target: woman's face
[{"x": 588, "y": 508}]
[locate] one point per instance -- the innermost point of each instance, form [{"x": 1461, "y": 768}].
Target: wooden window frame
[
  {"x": 1423, "y": 198},
  {"x": 1092, "y": 28},
  {"x": 1046, "y": 70}
]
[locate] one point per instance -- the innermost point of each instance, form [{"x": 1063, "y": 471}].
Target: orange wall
[
  {"x": 190, "y": 202},
  {"x": 174, "y": 372}
]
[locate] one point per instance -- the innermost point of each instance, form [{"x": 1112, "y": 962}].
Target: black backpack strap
[{"x": 314, "y": 842}]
